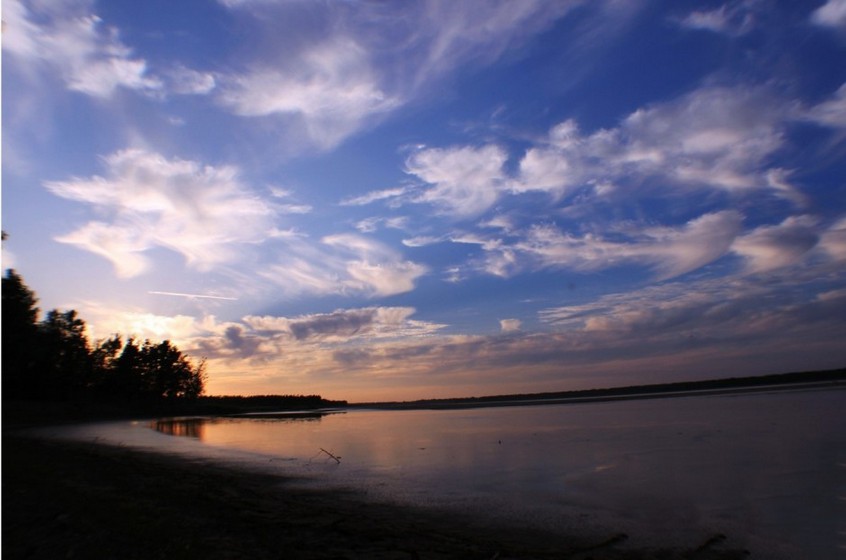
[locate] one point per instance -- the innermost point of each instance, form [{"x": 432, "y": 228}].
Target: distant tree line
[{"x": 52, "y": 359}]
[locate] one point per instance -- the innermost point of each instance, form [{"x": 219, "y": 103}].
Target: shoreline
[
  {"x": 781, "y": 382},
  {"x": 462, "y": 405},
  {"x": 73, "y": 499},
  {"x": 22, "y": 413}
]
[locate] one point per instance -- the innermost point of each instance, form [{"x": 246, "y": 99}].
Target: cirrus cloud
[
  {"x": 329, "y": 92},
  {"x": 771, "y": 247},
  {"x": 669, "y": 251},
  {"x": 342, "y": 264},
  {"x": 89, "y": 56},
  {"x": 200, "y": 211}
]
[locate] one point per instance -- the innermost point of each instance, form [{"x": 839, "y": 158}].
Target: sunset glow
[{"x": 392, "y": 201}]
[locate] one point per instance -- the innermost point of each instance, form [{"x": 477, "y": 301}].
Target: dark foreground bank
[{"x": 78, "y": 500}]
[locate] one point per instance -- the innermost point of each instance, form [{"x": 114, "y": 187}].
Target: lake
[{"x": 766, "y": 469}]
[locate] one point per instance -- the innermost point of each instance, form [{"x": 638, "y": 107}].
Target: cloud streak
[{"x": 192, "y": 296}]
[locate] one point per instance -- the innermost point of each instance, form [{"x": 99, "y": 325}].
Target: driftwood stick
[{"x": 337, "y": 458}]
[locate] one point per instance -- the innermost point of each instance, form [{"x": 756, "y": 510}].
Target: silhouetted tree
[
  {"x": 104, "y": 358},
  {"x": 19, "y": 335},
  {"x": 65, "y": 363},
  {"x": 53, "y": 359},
  {"x": 168, "y": 373}
]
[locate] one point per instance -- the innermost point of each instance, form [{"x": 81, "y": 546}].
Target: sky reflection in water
[{"x": 763, "y": 465}]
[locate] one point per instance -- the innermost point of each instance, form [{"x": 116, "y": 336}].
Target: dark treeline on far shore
[
  {"x": 49, "y": 367},
  {"x": 783, "y": 380},
  {"x": 268, "y": 403}
]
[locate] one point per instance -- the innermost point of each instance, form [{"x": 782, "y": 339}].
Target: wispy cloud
[
  {"x": 733, "y": 18},
  {"x": 328, "y": 92},
  {"x": 374, "y": 196},
  {"x": 380, "y": 57},
  {"x": 703, "y": 325},
  {"x": 192, "y": 296},
  {"x": 831, "y": 14},
  {"x": 186, "y": 81},
  {"x": 716, "y": 310},
  {"x": 72, "y": 42},
  {"x": 200, "y": 211},
  {"x": 833, "y": 240},
  {"x": 771, "y": 247},
  {"x": 832, "y": 112},
  {"x": 669, "y": 251},
  {"x": 713, "y": 137},
  {"x": 347, "y": 264}
]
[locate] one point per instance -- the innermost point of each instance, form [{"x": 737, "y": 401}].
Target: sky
[{"x": 400, "y": 200}]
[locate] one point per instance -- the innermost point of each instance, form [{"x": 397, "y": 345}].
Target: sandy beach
[{"x": 79, "y": 500}]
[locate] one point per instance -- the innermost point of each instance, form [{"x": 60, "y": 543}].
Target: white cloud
[
  {"x": 258, "y": 338},
  {"x": 734, "y": 18},
  {"x": 677, "y": 250},
  {"x": 124, "y": 247},
  {"x": 832, "y": 295},
  {"x": 88, "y": 56},
  {"x": 669, "y": 251},
  {"x": 833, "y": 240},
  {"x": 186, "y": 81},
  {"x": 673, "y": 310},
  {"x": 831, "y": 14},
  {"x": 293, "y": 208},
  {"x": 304, "y": 340},
  {"x": 453, "y": 33},
  {"x": 383, "y": 56},
  {"x": 510, "y": 325},
  {"x": 104, "y": 320},
  {"x": 422, "y": 40},
  {"x": 372, "y": 267},
  {"x": 342, "y": 264},
  {"x": 771, "y": 247},
  {"x": 831, "y": 113},
  {"x": 369, "y": 225},
  {"x": 550, "y": 168},
  {"x": 296, "y": 275},
  {"x": 21, "y": 37},
  {"x": 200, "y": 211},
  {"x": 421, "y": 241},
  {"x": 384, "y": 279},
  {"x": 330, "y": 90},
  {"x": 713, "y": 20},
  {"x": 465, "y": 181},
  {"x": 374, "y": 196},
  {"x": 713, "y": 137}
]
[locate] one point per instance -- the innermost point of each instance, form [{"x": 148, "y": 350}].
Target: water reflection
[
  {"x": 196, "y": 427},
  {"x": 188, "y": 427},
  {"x": 766, "y": 465}
]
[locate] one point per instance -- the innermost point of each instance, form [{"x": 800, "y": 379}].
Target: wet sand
[{"x": 79, "y": 500}]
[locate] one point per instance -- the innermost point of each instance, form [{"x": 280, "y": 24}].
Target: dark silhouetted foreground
[{"x": 75, "y": 500}]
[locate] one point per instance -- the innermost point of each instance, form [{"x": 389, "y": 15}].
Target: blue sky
[{"x": 398, "y": 200}]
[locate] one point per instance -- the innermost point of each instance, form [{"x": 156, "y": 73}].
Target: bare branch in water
[{"x": 336, "y": 457}]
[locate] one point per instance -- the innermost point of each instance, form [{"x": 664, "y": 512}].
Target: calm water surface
[{"x": 766, "y": 469}]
